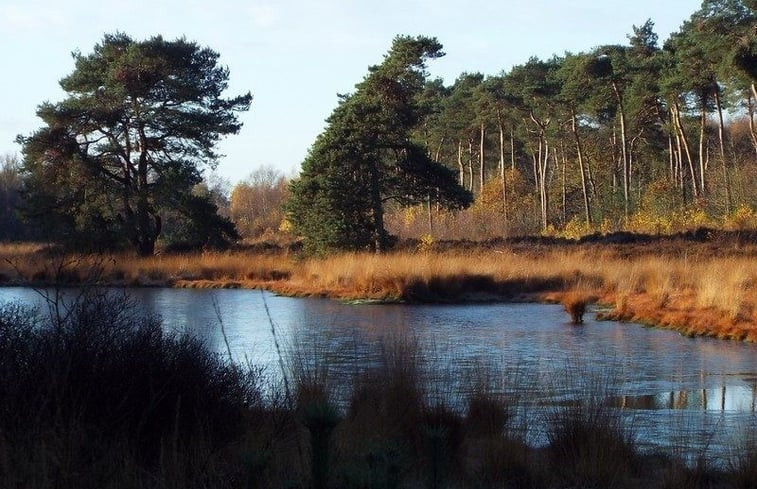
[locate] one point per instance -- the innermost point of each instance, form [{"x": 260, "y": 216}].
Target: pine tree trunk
[
  {"x": 470, "y": 165},
  {"x": 543, "y": 194},
  {"x": 750, "y": 110},
  {"x": 148, "y": 223},
  {"x": 579, "y": 150},
  {"x": 482, "y": 170},
  {"x": 502, "y": 174},
  {"x": 702, "y": 125},
  {"x": 564, "y": 190},
  {"x": 512, "y": 150},
  {"x": 685, "y": 144},
  {"x": 721, "y": 139},
  {"x": 592, "y": 182},
  {"x": 438, "y": 152},
  {"x": 460, "y": 166},
  {"x": 380, "y": 238},
  {"x": 624, "y": 150}
]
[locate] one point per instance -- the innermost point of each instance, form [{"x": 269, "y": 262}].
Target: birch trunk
[
  {"x": 615, "y": 160},
  {"x": 671, "y": 162},
  {"x": 679, "y": 162}
]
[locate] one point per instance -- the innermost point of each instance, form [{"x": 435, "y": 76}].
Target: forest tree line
[
  {"x": 648, "y": 135},
  {"x": 640, "y": 136},
  {"x": 617, "y": 131}
]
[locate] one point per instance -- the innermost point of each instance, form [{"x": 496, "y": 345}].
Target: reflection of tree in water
[
  {"x": 724, "y": 398},
  {"x": 681, "y": 400}
]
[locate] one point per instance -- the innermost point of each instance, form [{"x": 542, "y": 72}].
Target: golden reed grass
[{"x": 694, "y": 288}]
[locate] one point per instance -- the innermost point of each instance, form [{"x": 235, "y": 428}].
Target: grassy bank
[
  {"x": 103, "y": 398},
  {"x": 697, "y": 287}
]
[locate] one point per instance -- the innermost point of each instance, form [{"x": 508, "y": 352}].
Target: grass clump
[
  {"x": 742, "y": 465},
  {"x": 100, "y": 397},
  {"x": 575, "y": 305},
  {"x": 589, "y": 444}
]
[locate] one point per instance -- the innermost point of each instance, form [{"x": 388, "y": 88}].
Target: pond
[{"x": 692, "y": 396}]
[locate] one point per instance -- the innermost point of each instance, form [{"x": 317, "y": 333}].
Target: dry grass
[
  {"x": 575, "y": 304},
  {"x": 706, "y": 295},
  {"x": 25, "y": 265},
  {"x": 434, "y": 277},
  {"x": 697, "y": 289}
]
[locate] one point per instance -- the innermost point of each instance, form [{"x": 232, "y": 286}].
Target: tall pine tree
[{"x": 366, "y": 157}]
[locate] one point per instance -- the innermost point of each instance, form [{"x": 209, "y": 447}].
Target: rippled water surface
[{"x": 694, "y": 395}]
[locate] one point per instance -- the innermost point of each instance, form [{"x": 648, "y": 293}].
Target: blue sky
[{"x": 295, "y": 55}]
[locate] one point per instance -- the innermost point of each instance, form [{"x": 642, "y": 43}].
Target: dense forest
[
  {"x": 651, "y": 136},
  {"x": 644, "y": 137},
  {"x": 618, "y": 136}
]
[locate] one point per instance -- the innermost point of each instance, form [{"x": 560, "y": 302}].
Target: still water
[{"x": 694, "y": 396}]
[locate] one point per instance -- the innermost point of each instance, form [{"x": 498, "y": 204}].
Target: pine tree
[{"x": 366, "y": 158}]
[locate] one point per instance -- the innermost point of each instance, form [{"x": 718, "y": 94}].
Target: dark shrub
[{"x": 95, "y": 381}]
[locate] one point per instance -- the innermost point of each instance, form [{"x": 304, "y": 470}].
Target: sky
[{"x": 295, "y": 56}]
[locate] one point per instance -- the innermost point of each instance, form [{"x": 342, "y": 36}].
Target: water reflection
[
  {"x": 736, "y": 398},
  {"x": 672, "y": 386}
]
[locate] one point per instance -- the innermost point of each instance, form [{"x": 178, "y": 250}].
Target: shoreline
[
  {"x": 610, "y": 312},
  {"x": 697, "y": 289}
]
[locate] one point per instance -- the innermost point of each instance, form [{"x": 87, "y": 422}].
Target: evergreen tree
[
  {"x": 366, "y": 157},
  {"x": 128, "y": 143}
]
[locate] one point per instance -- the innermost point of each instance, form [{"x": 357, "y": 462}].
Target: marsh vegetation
[{"x": 696, "y": 286}]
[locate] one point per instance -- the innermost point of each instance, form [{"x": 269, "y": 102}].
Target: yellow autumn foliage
[
  {"x": 743, "y": 217},
  {"x": 426, "y": 243}
]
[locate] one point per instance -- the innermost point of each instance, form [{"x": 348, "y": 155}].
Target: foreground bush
[{"x": 95, "y": 396}]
